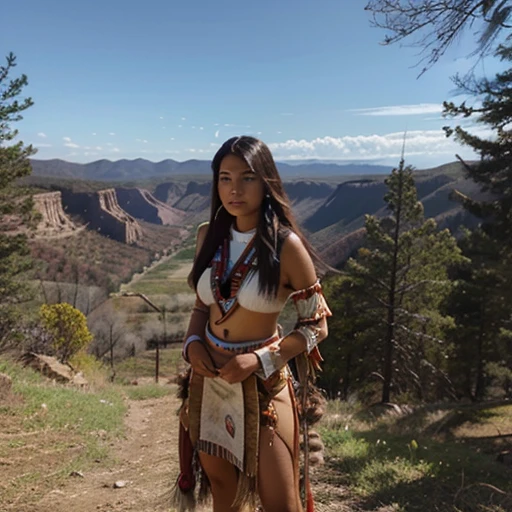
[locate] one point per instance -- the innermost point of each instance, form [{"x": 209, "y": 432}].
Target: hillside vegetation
[{"x": 61, "y": 446}]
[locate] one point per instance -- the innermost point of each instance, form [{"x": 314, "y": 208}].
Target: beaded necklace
[{"x": 225, "y": 285}]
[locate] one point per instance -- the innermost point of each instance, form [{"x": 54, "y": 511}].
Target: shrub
[{"x": 67, "y": 327}]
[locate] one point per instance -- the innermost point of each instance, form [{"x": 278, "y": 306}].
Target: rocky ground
[{"x": 145, "y": 467}]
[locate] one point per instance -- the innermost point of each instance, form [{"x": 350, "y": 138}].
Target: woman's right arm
[{"x": 194, "y": 350}]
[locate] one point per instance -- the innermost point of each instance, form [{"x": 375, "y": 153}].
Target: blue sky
[{"x": 165, "y": 79}]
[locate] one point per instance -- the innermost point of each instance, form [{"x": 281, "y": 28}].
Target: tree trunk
[
  {"x": 390, "y": 333},
  {"x": 346, "y": 380},
  {"x": 479, "y": 383}
]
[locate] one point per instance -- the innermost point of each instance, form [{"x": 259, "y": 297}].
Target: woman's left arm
[
  {"x": 299, "y": 273},
  {"x": 312, "y": 310}
]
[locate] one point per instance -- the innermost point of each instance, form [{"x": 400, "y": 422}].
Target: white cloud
[
  {"x": 183, "y": 118},
  {"x": 71, "y": 145},
  {"x": 94, "y": 133},
  {"x": 201, "y": 127},
  {"x": 400, "y": 110},
  {"x": 115, "y": 150},
  {"x": 98, "y": 148},
  {"x": 66, "y": 139},
  {"x": 179, "y": 126},
  {"x": 216, "y": 124},
  {"x": 109, "y": 144},
  {"x": 230, "y": 125},
  {"x": 161, "y": 117},
  {"x": 42, "y": 135},
  {"x": 367, "y": 147},
  {"x": 172, "y": 138},
  {"x": 112, "y": 133},
  {"x": 217, "y": 134}
]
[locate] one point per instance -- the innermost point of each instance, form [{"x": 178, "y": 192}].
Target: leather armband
[
  {"x": 188, "y": 342},
  {"x": 311, "y": 307},
  {"x": 270, "y": 360}
]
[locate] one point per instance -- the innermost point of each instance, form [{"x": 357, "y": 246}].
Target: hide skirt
[{"x": 224, "y": 420}]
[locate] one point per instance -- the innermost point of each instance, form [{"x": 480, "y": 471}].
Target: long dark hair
[{"x": 275, "y": 222}]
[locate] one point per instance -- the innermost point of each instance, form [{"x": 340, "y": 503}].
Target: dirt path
[{"x": 146, "y": 460}]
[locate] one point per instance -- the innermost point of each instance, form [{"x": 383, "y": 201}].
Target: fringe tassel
[
  {"x": 183, "y": 501},
  {"x": 199, "y": 494},
  {"x": 204, "y": 492},
  {"x": 252, "y": 425},
  {"x": 194, "y": 406},
  {"x": 246, "y": 493}
]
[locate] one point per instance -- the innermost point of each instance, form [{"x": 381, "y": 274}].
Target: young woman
[{"x": 240, "y": 414}]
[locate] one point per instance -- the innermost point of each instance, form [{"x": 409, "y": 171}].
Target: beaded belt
[{"x": 238, "y": 347}]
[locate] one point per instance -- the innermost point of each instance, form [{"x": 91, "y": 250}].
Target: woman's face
[{"x": 241, "y": 191}]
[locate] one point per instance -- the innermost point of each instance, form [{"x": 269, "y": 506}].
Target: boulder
[{"x": 52, "y": 368}]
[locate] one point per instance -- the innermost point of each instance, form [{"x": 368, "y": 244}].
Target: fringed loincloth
[{"x": 224, "y": 419}]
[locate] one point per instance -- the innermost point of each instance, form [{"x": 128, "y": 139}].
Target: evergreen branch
[
  {"x": 413, "y": 286},
  {"x": 420, "y": 334}
]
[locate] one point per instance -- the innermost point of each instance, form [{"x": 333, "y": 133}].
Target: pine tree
[
  {"x": 401, "y": 276},
  {"x": 493, "y": 172},
  {"x": 482, "y": 300},
  {"x": 347, "y": 351},
  {"x": 477, "y": 306},
  {"x": 15, "y": 205}
]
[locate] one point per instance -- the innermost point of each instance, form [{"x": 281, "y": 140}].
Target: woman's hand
[
  {"x": 238, "y": 368},
  {"x": 200, "y": 360}
]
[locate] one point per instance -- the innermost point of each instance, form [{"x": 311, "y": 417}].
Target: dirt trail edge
[{"x": 146, "y": 460}]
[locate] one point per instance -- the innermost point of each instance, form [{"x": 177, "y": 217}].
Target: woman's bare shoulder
[{"x": 296, "y": 263}]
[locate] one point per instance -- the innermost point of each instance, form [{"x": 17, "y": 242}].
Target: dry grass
[
  {"x": 435, "y": 458},
  {"x": 49, "y": 430}
]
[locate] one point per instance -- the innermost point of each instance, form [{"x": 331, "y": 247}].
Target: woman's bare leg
[
  {"x": 276, "y": 475},
  {"x": 223, "y": 480}
]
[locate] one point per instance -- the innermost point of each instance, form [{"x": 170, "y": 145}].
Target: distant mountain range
[
  {"x": 330, "y": 209},
  {"x": 140, "y": 169}
]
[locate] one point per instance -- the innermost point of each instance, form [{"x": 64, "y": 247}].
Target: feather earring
[{"x": 272, "y": 224}]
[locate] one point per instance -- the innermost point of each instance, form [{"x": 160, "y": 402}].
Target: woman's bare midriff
[{"x": 243, "y": 324}]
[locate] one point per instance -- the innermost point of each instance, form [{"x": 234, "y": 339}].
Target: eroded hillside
[
  {"x": 54, "y": 222},
  {"x": 141, "y": 204},
  {"x": 331, "y": 211},
  {"x": 101, "y": 211}
]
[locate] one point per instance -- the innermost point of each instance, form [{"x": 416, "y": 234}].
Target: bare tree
[
  {"x": 83, "y": 297},
  {"x": 434, "y": 25},
  {"x": 110, "y": 332}
]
